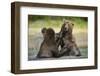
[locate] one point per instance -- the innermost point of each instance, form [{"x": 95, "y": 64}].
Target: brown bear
[
  {"x": 48, "y": 48},
  {"x": 66, "y": 40}
]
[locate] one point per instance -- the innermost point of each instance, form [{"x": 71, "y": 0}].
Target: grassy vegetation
[{"x": 36, "y": 21}]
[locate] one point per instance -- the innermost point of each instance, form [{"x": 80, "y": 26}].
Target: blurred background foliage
[{"x": 37, "y": 21}]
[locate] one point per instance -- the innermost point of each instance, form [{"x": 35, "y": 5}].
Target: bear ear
[
  {"x": 73, "y": 24},
  {"x": 43, "y": 30}
]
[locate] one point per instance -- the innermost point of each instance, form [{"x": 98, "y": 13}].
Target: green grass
[
  {"x": 35, "y": 26},
  {"x": 55, "y": 21}
]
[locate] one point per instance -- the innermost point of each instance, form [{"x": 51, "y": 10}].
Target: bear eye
[{"x": 72, "y": 24}]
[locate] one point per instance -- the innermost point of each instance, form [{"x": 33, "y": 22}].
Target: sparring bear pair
[{"x": 52, "y": 41}]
